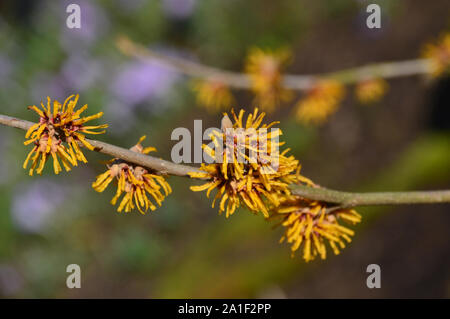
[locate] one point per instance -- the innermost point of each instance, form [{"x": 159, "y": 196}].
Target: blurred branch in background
[
  {"x": 343, "y": 199},
  {"x": 295, "y": 82}
]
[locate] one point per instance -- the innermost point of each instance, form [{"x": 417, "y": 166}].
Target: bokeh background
[{"x": 184, "y": 249}]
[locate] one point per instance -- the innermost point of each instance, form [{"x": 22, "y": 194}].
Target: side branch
[
  {"x": 295, "y": 82},
  {"x": 346, "y": 199},
  {"x": 342, "y": 199}
]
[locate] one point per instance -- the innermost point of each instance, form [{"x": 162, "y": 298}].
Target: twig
[
  {"x": 343, "y": 199},
  {"x": 160, "y": 165},
  {"x": 347, "y": 199},
  {"x": 295, "y": 82}
]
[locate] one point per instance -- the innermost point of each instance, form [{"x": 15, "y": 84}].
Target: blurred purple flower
[
  {"x": 11, "y": 281},
  {"x": 80, "y": 72},
  {"x": 119, "y": 117},
  {"x": 94, "y": 23},
  {"x": 35, "y": 203},
  {"x": 179, "y": 9},
  {"x": 44, "y": 84},
  {"x": 142, "y": 80}
]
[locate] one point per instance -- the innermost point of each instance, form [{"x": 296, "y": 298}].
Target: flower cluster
[
  {"x": 320, "y": 102},
  {"x": 58, "y": 133},
  {"x": 261, "y": 187},
  {"x": 135, "y": 182},
  {"x": 213, "y": 94},
  {"x": 264, "y": 69},
  {"x": 312, "y": 224},
  {"x": 439, "y": 55},
  {"x": 248, "y": 166},
  {"x": 371, "y": 90},
  {"x": 247, "y": 169}
]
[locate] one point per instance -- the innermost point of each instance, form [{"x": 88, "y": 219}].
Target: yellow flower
[
  {"x": 320, "y": 102},
  {"x": 439, "y": 55},
  {"x": 248, "y": 167},
  {"x": 213, "y": 94},
  {"x": 312, "y": 224},
  {"x": 264, "y": 69},
  {"x": 371, "y": 90},
  {"x": 135, "y": 182},
  {"x": 59, "y": 124}
]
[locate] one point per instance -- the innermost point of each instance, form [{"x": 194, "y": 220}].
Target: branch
[
  {"x": 187, "y": 67},
  {"x": 295, "y": 82},
  {"x": 343, "y": 199},
  {"x": 346, "y": 199},
  {"x": 160, "y": 165}
]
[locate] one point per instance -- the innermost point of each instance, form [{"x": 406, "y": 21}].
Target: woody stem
[
  {"x": 290, "y": 81},
  {"x": 342, "y": 199},
  {"x": 348, "y": 199}
]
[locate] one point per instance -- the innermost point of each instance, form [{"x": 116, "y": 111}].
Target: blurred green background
[{"x": 184, "y": 249}]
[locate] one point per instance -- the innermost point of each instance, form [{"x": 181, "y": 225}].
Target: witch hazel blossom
[
  {"x": 264, "y": 68},
  {"x": 246, "y": 183},
  {"x": 310, "y": 225},
  {"x": 58, "y": 133},
  {"x": 137, "y": 184},
  {"x": 249, "y": 144}
]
